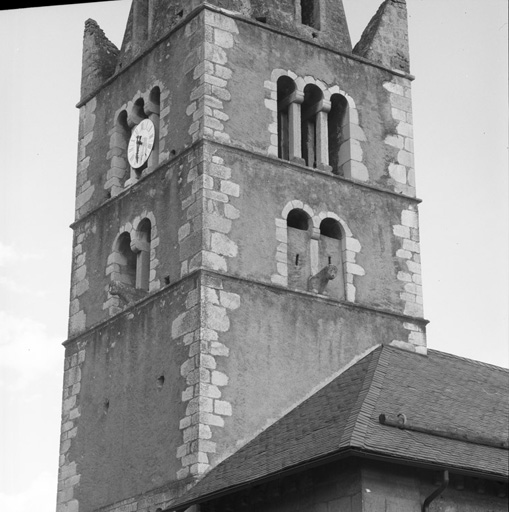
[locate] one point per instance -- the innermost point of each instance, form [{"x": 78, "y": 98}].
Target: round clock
[{"x": 141, "y": 143}]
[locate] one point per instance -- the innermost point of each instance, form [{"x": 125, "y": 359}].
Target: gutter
[{"x": 336, "y": 456}]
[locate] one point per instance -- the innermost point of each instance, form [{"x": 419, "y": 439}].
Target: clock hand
[{"x": 138, "y": 144}]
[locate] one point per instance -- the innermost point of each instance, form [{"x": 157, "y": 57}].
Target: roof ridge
[
  {"x": 463, "y": 358},
  {"x": 355, "y": 429},
  {"x": 457, "y": 434}
]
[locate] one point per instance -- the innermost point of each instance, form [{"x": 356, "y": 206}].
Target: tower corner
[
  {"x": 385, "y": 39},
  {"x": 99, "y": 58}
]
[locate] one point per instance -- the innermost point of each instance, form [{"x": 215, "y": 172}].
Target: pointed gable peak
[
  {"x": 385, "y": 39},
  {"x": 99, "y": 58}
]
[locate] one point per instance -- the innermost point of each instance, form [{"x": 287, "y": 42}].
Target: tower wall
[{"x": 235, "y": 310}]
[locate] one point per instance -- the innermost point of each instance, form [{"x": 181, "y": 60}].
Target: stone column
[
  {"x": 322, "y": 136},
  {"x": 294, "y": 127},
  {"x": 314, "y": 251}
]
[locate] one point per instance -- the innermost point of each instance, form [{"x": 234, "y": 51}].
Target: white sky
[{"x": 459, "y": 57}]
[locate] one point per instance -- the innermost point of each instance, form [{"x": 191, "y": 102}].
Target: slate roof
[{"x": 440, "y": 391}]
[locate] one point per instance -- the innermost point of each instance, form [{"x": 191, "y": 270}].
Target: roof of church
[{"x": 455, "y": 410}]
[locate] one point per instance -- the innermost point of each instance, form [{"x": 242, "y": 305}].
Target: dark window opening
[
  {"x": 143, "y": 256},
  {"x": 285, "y": 88},
  {"x": 122, "y": 127},
  {"x": 310, "y": 13},
  {"x": 298, "y": 256},
  {"x": 128, "y": 264},
  {"x": 155, "y": 98},
  {"x": 337, "y": 128},
  {"x": 298, "y": 219},
  {"x": 330, "y": 228},
  {"x": 331, "y": 253},
  {"x": 153, "y": 111},
  {"x": 139, "y": 110},
  {"x": 312, "y": 98}
]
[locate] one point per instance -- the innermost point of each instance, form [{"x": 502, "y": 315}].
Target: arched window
[
  {"x": 143, "y": 254},
  {"x": 135, "y": 117},
  {"x": 310, "y": 13},
  {"x": 338, "y": 128},
  {"x": 298, "y": 237},
  {"x": 312, "y": 105},
  {"x": 331, "y": 253},
  {"x": 152, "y": 110},
  {"x": 285, "y": 93},
  {"x": 138, "y": 111},
  {"x": 127, "y": 260},
  {"x": 122, "y": 128}
]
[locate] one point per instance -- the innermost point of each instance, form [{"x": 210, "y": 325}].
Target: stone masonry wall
[
  {"x": 84, "y": 187},
  {"x": 351, "y": 152},
  {"x": 80, "y": 281},
  {"x": 200, "y": 328},
  {"x": 68, "y": 476},
  {"x": 401, "y": 169},
  {"x": 351, "y": 247},
  {"x": 408, "y": 258}
]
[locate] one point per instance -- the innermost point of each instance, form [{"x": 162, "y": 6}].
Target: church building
[{"x": 246, "y": 327}]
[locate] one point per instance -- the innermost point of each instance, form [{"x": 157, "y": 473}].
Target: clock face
[{"x": 141, "y": 143}]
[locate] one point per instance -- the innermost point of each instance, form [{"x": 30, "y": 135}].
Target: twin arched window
[
  {"x": 311, "y": 129},
  {"x": 310, "y": 250}
]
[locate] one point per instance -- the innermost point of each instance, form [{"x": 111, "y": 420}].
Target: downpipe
[{"x": 437, "y": 492}]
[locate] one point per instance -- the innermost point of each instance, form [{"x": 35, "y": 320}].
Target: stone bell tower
[{"x": 246, "y": 225}]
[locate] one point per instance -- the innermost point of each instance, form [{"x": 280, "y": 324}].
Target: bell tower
[{"x": 246, "y": 225}]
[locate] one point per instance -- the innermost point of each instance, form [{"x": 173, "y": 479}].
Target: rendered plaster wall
[
  {"x": 101, "y": 152},
  {"x": 227, "y": 92},
  {"x": 335, "y": 487},
  {"x": 279, "y": 346},
  {"x": 380, "y": 100},
  {"x": 123, "y": 405},
  {"x": 267, "y": 187},
  {"x": 228, "y": 346},
  {"x": 402, "y": 489},
  {"x": 329, "y": 24},
  {"x": 362, "y": 486},
  {"x": 95, "y": 264}
]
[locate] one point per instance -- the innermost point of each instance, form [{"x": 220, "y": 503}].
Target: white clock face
[{"x": 141, "y": 143}]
